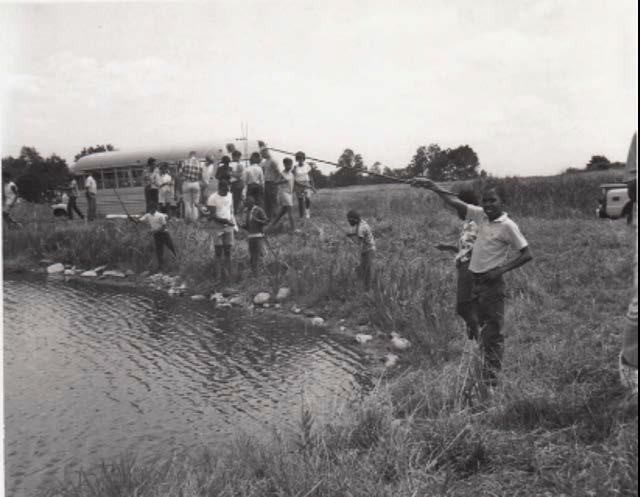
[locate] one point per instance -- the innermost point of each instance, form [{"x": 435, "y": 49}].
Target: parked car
[{"x": 614, "y": 202}]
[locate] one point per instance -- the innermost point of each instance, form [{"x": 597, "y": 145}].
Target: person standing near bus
[
  {"x": 151, "y": 183},
  {"x": 73, "y": 199},
  {"x": 271, "y": 173},
  {"x": 208, "y": 172},
  {"x": 237, "y": 183},
  {"x": 166, "y": 191},
  {"x": 253, "y": 178},
  {"x": 191, "y": 178},
  {"x": 91, "y": 192}
]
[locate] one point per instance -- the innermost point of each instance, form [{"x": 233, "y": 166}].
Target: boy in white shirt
[
  {"x": 91, "y": 191},
  {"x": 497, "y": 236},
  {"x": 220, "y": 213},
  {"x": 158, "y": 223},
  {"x": 302, "y": 185}
]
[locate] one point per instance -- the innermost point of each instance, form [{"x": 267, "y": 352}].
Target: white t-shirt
[
  {"x": 495, "y": 239},
  {"x": 222, "y": 204},
  {"x": 166, "y": 182},
  {"x": 207, "y": 173},
  {"x": 253, "y": 175},
  {"x": 301, "y": 173},
  {"x": 91, "y": 185},
  {"x": 157, "y": 221},
  {"x": 9, "y": 193}
]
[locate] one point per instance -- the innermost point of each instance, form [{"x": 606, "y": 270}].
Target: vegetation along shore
[{"x": 558, "y": 424}]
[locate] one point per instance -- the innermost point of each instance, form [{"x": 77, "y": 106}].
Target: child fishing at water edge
[
  {"x": 363, "y": 232},
  {"x": 255, "y": 221},
  {"x": 220, "y": 213},
  {"x": 158, "y": 223},
  {"x": 497, "y": 234}
]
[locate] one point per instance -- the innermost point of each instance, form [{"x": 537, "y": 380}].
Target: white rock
[
  {"x": 296, "y": 310},
  {"x": 129, "y": 272},
  {"x": 69, "y": 272},
  {"x": 266, "y": 305},
  {"x": 173, "y": 291},
  {"x": 342, "y": 328},
  {"x": 261, "y": 298},
  {"x": 218, "y": 297},
  {"x": 99, "y": 269},
  {"x": 89, "y": 274},
  {"x": 114, "y": 274},
  {"x": 198, "y": 297},
  {"x": 283, "y": 294},
  {"x": 237, "y": 301},
  {"x": 390, "y": 360},
  {"x": 55, "y": 268},
  {"x": 399, "y": 343},
  {"x": 317, "y": 321},
  {"x": 224, "y": 305},
  {"x": 183, "y": 286},
  {"x": 277, "y": 306},
  {"x": 362, "y": 338}
]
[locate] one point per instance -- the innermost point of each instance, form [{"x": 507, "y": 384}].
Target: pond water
[{"x": 91, "y": 373}]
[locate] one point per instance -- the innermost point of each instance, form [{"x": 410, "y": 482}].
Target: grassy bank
[{"x": 559, "y": 424}]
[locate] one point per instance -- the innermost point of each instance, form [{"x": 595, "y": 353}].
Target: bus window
[
  {"x": 137, "y": 173},
  {"x": 108, "y": 179},
  {"x": 124, "y": 180}
]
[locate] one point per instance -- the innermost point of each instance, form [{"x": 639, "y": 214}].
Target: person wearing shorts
[
  {"x": 220, "y": 214},
  {"x": 285, "y": 194},
  {"x": 302, "y": 185}
]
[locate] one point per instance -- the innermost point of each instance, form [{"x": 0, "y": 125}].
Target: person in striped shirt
[
  {"x": 191, "y": 178},
  {"x": 363, "y": 233}
]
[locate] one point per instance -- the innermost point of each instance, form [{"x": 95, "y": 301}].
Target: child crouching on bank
[{"x": 364, "y": 234}]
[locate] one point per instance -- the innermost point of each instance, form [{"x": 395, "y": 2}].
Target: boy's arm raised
[{"x": 449, "y": 197}]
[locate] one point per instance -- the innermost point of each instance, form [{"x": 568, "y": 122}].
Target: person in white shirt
[
  {"x": 158, "y": 223},
  {"x": 220, "y": 213},
  {"x": 497, "y": 236},
  {"x": 209, "y": 185},
  {"x": 285, "y": 194},
  {"x": 237, "y": 180},
  {"x": 10, "y": 194},
  {"x": 73, "y": 198},
  {"x": 166, "y": 191},
  {"x": 302, "y": 185},
  {"x": 91, "y": 192},
  {"x": 253, "y": 178}
]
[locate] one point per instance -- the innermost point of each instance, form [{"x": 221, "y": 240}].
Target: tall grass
[{"x": 558, "y": 424}]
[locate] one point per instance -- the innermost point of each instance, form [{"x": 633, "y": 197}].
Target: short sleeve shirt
[
  {"x": 365, "y": 235},
  {"x": 222, "y": 204},
  {"x": 91, "y": 185},
  {"x": 192, "y": 172},
  {"x": 495, "y": 240},
  {"x": 253, "y": 175},
  {"x": 301, "y": 173},
  {"x": 157, "y": 221}
]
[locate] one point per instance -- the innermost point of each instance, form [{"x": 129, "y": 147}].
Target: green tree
[
  {"x": 462, "y": 163},
  {"x": 347, "y": 174}
]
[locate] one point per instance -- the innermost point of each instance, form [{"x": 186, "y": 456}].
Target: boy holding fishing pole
[
  {"x": 497, "y": 235},
  {"x": 363, "y": 233},
  {"x": 158, "y": 223}
]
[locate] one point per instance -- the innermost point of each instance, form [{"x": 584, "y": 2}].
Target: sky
[{"x": 534, "y": 86}]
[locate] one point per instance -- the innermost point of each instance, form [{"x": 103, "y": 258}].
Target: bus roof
[{"x": 123, "y": 158}]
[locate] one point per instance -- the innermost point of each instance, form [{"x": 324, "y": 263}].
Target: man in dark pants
[
  {"x": 271, "y": 178},
  {"x": 73, "y": 199},
  {"x": 497, "y": 235}
]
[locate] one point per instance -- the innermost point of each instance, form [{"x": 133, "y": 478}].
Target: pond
[{"x": 93, "y": 373}]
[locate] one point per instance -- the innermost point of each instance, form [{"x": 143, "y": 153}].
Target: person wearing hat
[{"x": 628, "y": 359}]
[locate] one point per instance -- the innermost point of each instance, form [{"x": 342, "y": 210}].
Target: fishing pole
[{"x": 335, "y": 164}]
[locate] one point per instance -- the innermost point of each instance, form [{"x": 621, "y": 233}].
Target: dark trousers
[
  {"x": 256, "y": 253},
  {"x": 488, "y": 317},
  {"x": 236, "y": 193},
  {"x": 73, "y": 206},
  {"x": 271, "y": 199},
  {"x": 92, "y": 207},
  {"x": 365, "y": 269},
  {"x": 464, "y": 300},
  {"x": 303, "y": 204},
  {"x": 162, "y": 239},
  {"x": 150, "y": 197}
]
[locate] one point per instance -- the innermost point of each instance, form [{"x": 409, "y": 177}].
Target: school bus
[{"x": 119, "y": 174}]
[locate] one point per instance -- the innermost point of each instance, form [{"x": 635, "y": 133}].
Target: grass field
[{"x": 559, "y": 423}]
